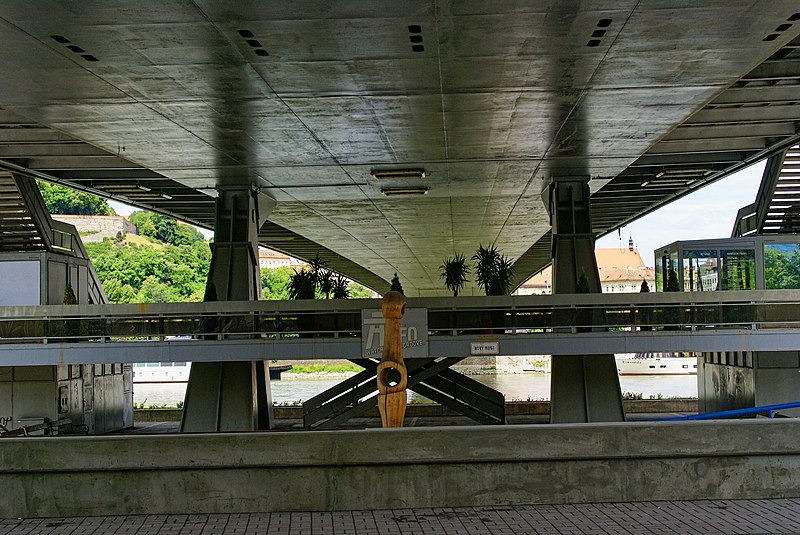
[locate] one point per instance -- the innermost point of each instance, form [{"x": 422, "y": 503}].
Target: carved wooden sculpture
[{"x": 392, "y": 375}]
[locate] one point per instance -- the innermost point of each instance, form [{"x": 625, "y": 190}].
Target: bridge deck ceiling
[{"x": 304, "y": 102}]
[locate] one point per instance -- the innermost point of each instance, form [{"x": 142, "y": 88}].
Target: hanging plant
[{"x": 454, "y": 271}]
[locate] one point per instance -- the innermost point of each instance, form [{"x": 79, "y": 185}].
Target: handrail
[
  {"x": 769, "y": 409},
  {"x": 749, "y": 310}
]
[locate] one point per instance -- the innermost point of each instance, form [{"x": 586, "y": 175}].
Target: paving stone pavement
[{"x": 679, "y": 517}]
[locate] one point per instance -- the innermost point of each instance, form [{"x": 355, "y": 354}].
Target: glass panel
[
  {"x": 781, "y": 266},
  {"x": 739, "y": 269},
  {"x": 700, "y": 270},
  {"x": 673, "y": 283},
  {"x": 666, "y": 259},
  {"x": 659, "y": 274}
]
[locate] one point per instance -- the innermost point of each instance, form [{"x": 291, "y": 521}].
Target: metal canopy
[{"x": 159, "y": 104}]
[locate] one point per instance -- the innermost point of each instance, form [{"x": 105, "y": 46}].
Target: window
[
  {"x": 738, "y": 269},
  {"x": 781, "y": 266},
  {"x": 700, "y": 270}
]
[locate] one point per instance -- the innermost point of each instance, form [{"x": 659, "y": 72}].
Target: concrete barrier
[
  {"x": 395, "y": 468},
  {"x": 425, "y": 410}
]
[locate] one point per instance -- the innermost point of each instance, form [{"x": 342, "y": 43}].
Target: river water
[{"x": 522, "y": 386}]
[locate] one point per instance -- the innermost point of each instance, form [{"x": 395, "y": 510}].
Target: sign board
[
  {"x": 484, "y": 348},
  {"x": 413, "y": 332}
]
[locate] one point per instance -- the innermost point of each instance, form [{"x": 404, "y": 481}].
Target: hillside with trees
[
  {"x": 167, "y": 262},
  {"x": 61, "y": 200}
]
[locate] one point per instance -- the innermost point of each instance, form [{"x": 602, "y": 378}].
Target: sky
[{"x": 706, "y": 213}]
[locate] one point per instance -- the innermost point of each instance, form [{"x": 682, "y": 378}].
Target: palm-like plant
[
  {"x": 325, "y": 281},
  {"x": 454, "y": 271},
  {"x": 341, "y": 287},
  {"x": 501, "y": 281},
  {"x": 302, "y": 284},
  {"x": 493, "y": 271},
  {"x": 486, "y": 259}
]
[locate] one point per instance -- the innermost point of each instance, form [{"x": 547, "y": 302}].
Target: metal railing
[
  {"x": 770, "y": 411},
  {"x": 507, "y": 316}
]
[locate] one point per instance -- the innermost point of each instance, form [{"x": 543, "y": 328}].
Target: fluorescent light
[
  {"x": 667, "y": 183},
  {"x": 413, "y": 190},
  {"x": 143, "y": 188},
  {"x": 685, "y": 171},
  {"x": 386, "y": 174}
]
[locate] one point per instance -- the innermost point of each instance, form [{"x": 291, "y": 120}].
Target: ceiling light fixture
[
  {"x": 385, "y": 174},
  {"x": 685, "y": 172},
  {"x": 413, "y": 190},
  {"x": 674, "y": 182}
]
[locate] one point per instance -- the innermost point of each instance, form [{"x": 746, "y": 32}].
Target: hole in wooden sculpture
[{"x": 390, "y": 377}]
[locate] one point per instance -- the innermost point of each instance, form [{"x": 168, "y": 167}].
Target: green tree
[
  {"x": 275, "y": 283},
  {"x": 358, "y": 291},
  {"x": 143, "y": 274},
  {"x": 61, "y": 200},
  {"x": 164, "y": 228}
]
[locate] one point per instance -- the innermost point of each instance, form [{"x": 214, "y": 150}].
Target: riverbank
[{"x": 431, "y": 410}]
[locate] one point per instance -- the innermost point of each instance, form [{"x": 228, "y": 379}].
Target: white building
[
  {"x": 267, "y": 258},
  {"x": 621, "y": 271}
]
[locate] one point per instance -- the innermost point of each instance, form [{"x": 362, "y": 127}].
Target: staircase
[
  {"x": 18, "y": 230},
  {"x": 777, "y": 206},
  {"x": 26, "y": 226}
]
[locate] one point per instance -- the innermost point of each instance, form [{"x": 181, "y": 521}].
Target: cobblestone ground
[{"x": 683, "y": 517}]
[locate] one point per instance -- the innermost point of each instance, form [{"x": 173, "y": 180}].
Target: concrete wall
[
  {"x": 721, "y": 387},
  {"x": 778, "y": 379},
  {"x": 97, "y": 227},
  {"x": 413, "y": 467},
  {"x": 98, "y": 396},
  {"x": 741, "y": 380}
]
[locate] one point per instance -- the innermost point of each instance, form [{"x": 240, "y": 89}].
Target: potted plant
[
  {"x": 493, "y": 274},
  {"x": 454, "y": 271},
  {"x": 486, "y": 260}
]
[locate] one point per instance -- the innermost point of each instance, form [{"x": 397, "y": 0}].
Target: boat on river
[
  {"x": 657, "y": 364},
  {"x": 178, "y": 372}
]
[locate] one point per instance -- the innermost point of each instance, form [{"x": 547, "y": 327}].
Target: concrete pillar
[
  {"x": 232, "y": 396},
  {"x": 582, "y": 388}
]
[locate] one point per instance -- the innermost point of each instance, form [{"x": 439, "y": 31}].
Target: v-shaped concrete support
[
  {"x": 583, "y": 388},
  {"x": 232, "y": 396}
]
